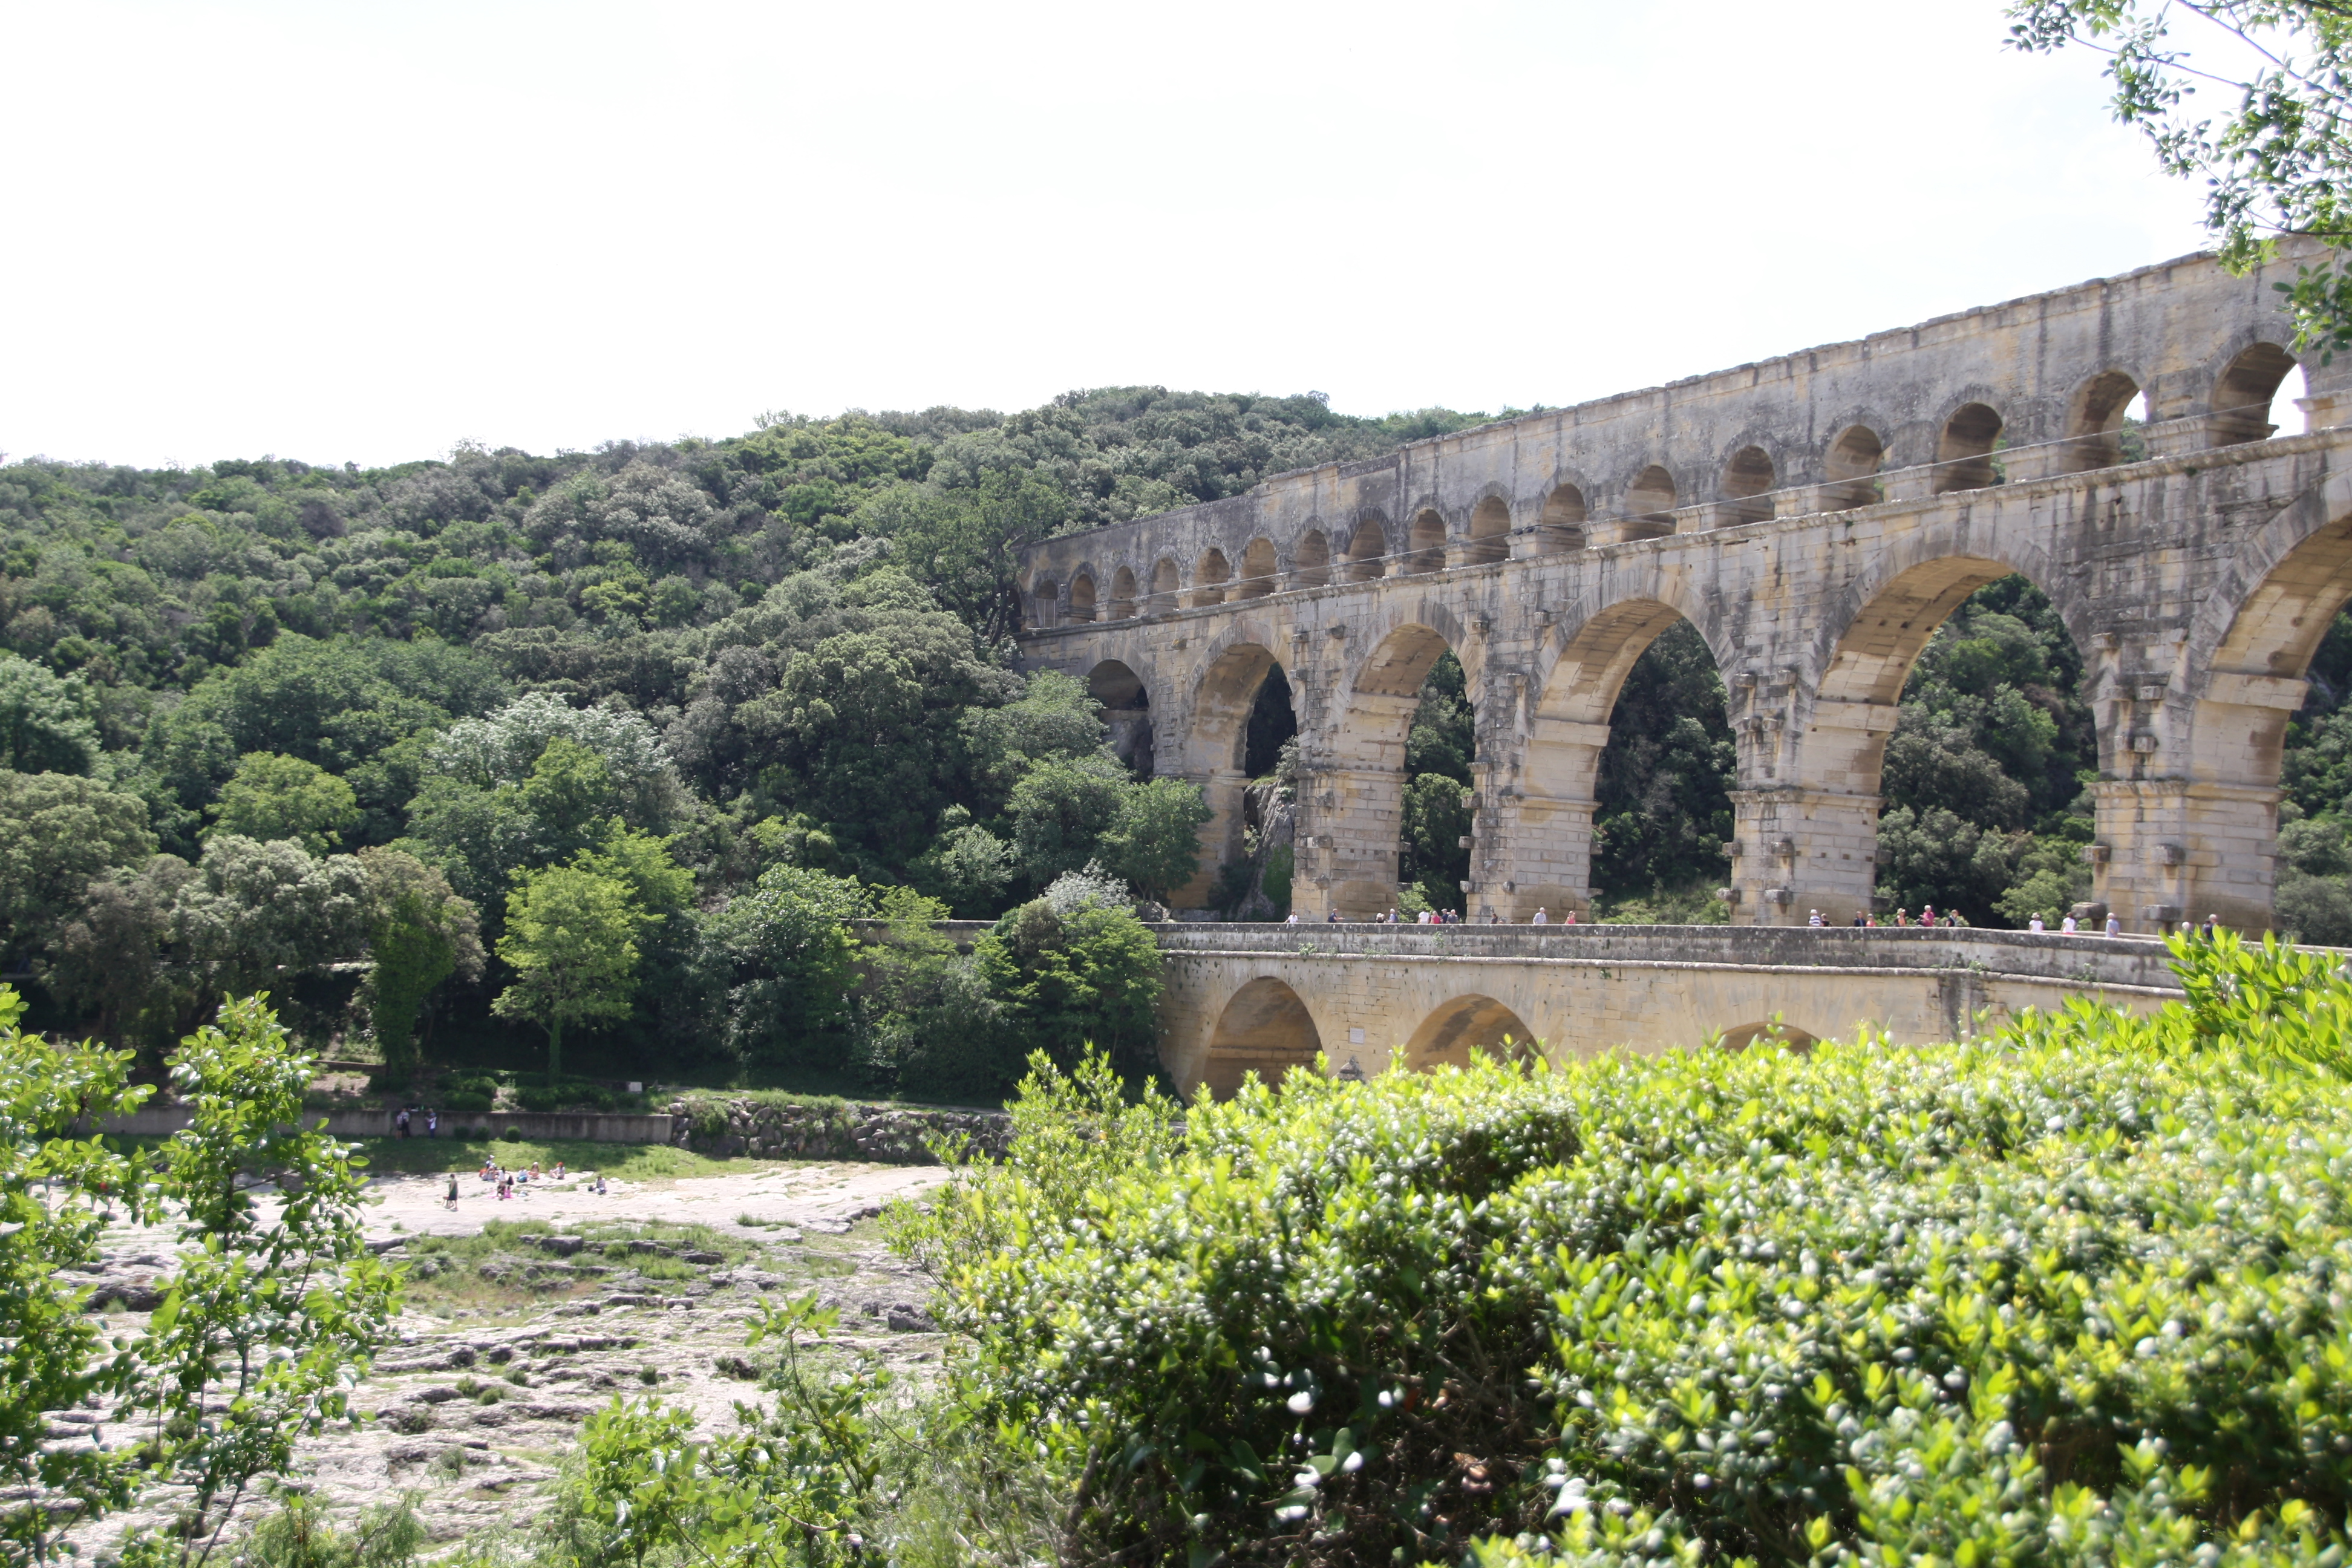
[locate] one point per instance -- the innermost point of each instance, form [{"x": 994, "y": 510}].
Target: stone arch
[
  {"x": 1817, "y": 837},
  {"x": 1044, "y": 599},
  {"x": 1598, "y": 650},
  {"x": 1560, "y": 528},
  {"x": 1362, "y": 814},
  {"x": 1490, "y": 533},
  {"x": 2094, "y": 414},
  {"x": 2246, "y": 658},
  {"x": 1650, "y": 502},
  {"x": 1127, "y": 711},
  {"x": 1165, "y": 580},
  {"x": 1311, "y": 564},
  {"x": 1889, "y": 618},
  {"x": 1739, "y": 1036},
  {"x": 1259, "y": 575},
  {"x": 2243, "y": 392},
  {"x": 1264, "y": 1029},
  {"x": 1465, "y": 1024},
  {"x": 1082, "y": 599},
  {"x": 1210, "y": 576},
  {"x": 1213, "y": 742},
  {"x": 1749, "y": 479},
  {"x": 1425, "y": 547},
  {"x": 1367, "y": 550},
  {"x": 1400, "y": 662},
  {"x": 1964, "y": 449},
  {"x": 1122, "y": 594},
  {"x": 1547, "y": 838},
  {"x": 1851, "y": 468}
]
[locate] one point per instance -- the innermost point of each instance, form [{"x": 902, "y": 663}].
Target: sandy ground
[
  {"x": 475, "y": 1408},
  {"x": 815, "y": 1195}
]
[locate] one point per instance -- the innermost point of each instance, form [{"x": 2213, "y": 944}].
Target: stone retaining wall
[
  {"x": 592, "y": 1127},
  {"x": 888, "y": 1134}
]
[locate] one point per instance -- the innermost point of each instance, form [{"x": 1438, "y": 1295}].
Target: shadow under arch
[
  {"x": 1264, "y": 1029},
  {"x": 1126, "y": 712},
  {"x": 1473, "y": 1023}
]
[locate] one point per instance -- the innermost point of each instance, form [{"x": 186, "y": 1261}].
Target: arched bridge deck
[{"x": 1266, "y": 998}]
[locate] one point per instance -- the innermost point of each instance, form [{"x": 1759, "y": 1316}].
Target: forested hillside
[
  {"x": 387, "y": 739},
  {"x": 268, "y": 723}
]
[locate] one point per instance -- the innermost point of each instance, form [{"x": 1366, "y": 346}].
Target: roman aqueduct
[{"x": 1815, "y": 517}]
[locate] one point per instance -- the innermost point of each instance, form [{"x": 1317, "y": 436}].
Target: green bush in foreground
[{"x": 2074, "y": 1293}]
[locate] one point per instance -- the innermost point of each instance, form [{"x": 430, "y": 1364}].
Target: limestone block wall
[
  {"x": 1815, "y": 517},
  {"x": 1814, "y": 621},
  {"x": 1267, "y": 999}
]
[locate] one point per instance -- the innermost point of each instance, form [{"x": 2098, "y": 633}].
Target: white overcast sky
[{"x": 368, "y": 231}]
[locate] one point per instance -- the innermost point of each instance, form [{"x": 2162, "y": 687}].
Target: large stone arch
[
  {"x": 1542, "y": 819},
  {"x": 1772, "y": 1032},
  {"x": 1127, "y": 711},
  {"x": 1472, "y": 1022},
  {"x": 2240, "y": 383},
  {"x": 2190, "y": 814},
  {"x": 1231, "y": 670},
  {"x": 1356, "y": 790},
  {"x": 1264, "y": 1027},
  {"x": 1808, "y": 833}
]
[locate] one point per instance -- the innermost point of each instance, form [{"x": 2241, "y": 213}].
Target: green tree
[
  {"x": 45, "y": 724},
  {"x": 571, "y": 941},
  {"x": 256, "y": 915},
  {"x": 1662, "y": 798},
  {"x": 1437, "y": 817},
  {"x": 272, "y": 795},
  {"x": 788, "y": 960},
  {"x": 966, "y": 866},
  {"x": 1054, "y": 720},
  {"x": 1061, "y": 810},
  {"x": 1154, "y": 837},
  {"x": 57, "y": 832},
  {"x": 58, "y": 1183},
  {"x": 1088, "y": 975},
  {"x": 420, "y": 934},
  {"x": 2276, "y": 161},
  {"x": 278, "y": 1304}
]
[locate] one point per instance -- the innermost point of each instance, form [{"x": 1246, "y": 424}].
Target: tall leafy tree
[
  {"x": 57, "y": 832},
  {"x": 45, "y": 722},
  {"x": 277, "y": 797},
  {"x": 572, "y": 942},
  {"x": 2276, "y": 157},
  {"x": 420, "y": 934}
]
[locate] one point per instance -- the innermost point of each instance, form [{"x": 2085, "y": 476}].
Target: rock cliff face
[
  {"x": 1267, "y": 811},
  {"x": 886, "y": 1134}
]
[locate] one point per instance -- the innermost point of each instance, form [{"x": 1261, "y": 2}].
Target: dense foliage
[
  {"x": 223, "y": 691},
  {"x": 2070, "y": 1294},
  {"x": 272, "y": 1309}
]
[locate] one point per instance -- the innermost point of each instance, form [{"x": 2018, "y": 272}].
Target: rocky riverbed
[{"x": 526, "y": 1315}]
